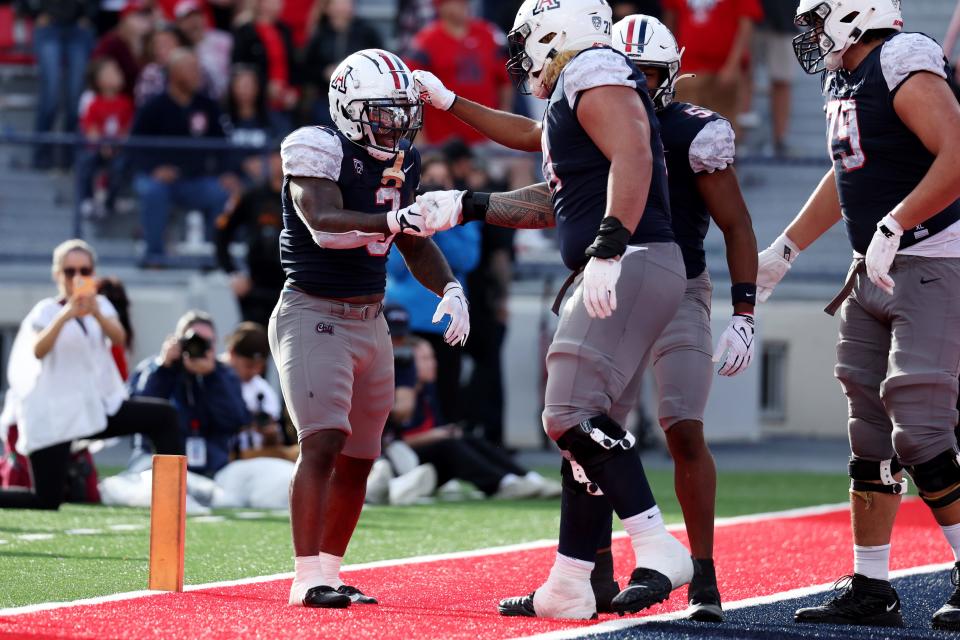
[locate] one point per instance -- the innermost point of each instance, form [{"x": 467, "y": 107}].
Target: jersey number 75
[{"x": 843, "y": 129}]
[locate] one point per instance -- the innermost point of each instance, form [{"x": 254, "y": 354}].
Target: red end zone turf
[{"x": 457, "y": 598}]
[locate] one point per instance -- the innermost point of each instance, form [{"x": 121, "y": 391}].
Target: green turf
[{"x": 67, "y": 567}]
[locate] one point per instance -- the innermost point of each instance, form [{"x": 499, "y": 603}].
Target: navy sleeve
[
  {"x": 155, "y": 381},
  {"x": 224, "y": 399}
]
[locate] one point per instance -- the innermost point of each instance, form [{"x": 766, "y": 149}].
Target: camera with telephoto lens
[{"x": 194, "y": 345}]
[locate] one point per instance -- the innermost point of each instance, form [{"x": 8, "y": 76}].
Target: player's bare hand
[
  {"x": 432, "y": 90},
  {"x": 881, "y": 252},
  {"x": 442, "y": 210},
  {"x": 600, "y": 286},
  {"x": 454, "y": 304},
  {"x": 735, "y": 348},
  {"x": 409, "y": 220}
]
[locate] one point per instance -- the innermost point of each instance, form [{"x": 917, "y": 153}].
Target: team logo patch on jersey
[
  {"x": 340, "y": 82},
  {"x": 358, "y": 166},
  {"x": 597, "y": 22},
  {"x": 325, "y": 327},
  {"x": 545, "y": 5}
]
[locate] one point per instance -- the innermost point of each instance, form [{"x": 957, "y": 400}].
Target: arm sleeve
[
  {"x": 312, "y": 152},
  {"x": 598, "y": 68},
  {"x": 713, "y": 148},
  {"x": 106, "y": 307},
  {"x": 907, "y": 54},
  {"x": 154, "y": 381}
]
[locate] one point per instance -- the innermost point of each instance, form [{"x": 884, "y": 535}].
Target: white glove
[
  {"x": 432, "y": 90},
  {"x": 773, "y": 264},
  {"x": 441, "y": 209},
  {"x": 881, "y": 252},
  {"x": 409, "y": 220},
  {"x": 737, "y": 343},
  {"x": 600, "y": 286},
  {"x": 454, "y": 304}
]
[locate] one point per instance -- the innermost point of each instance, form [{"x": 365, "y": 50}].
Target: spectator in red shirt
[
  {"x": 124, "y": 44},
  {"x": 107, "y": 115},
  {"x": 267, "y": 44},
  {"x": 716, "y": 35},
  {"x": 467, "y": 54}
]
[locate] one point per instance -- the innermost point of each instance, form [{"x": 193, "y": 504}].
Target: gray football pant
[
  {"x": 591, "y": 361},
  {"x": 898, "y": 358}
]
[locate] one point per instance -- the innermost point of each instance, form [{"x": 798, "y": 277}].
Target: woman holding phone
[{"x": 64, "y": 384}]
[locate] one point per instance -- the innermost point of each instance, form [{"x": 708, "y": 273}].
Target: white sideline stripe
[
  {"x": 456, "y": 555},
  {"x": 30, "y": 537},
  {"x": 3, "y": 542},
  {"x": 83, "y": 532},
  {"x": 249, "y": 515},
  {"x": 126, "y": 527},
  {"x": 206, "y": 519},
  {"x": 627, "y": 623}
]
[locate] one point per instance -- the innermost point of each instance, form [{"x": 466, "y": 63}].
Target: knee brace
[
  {"x": 864, "y": 473},
  {"x": 939, "y": 477},
  {"x": 575, "y": 479},
  {"x": 594, "y": 441}
]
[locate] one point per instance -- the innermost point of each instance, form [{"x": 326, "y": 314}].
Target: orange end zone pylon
[{"x": 168, "y": 510}]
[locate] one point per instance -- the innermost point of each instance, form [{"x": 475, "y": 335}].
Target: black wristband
[
  {"x": 611, "y": 240},
  {"x": 744, "y": 292},
  {"x": 475, "y": 205}
]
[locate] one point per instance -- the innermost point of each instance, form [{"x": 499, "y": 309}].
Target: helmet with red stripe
[
  {"x": 649, "y": 43},
  {"x": 374, "y": 103},
  {"x": 833, "y": 26}
]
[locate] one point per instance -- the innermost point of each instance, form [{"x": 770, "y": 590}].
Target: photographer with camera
[
  {"x": 65, "y": 386},
  {"x": 205, "y": 391},
  {"x": 247, "y": 350}
]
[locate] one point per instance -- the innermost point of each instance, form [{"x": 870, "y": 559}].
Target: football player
[
  {"x": 893, "y": 128},
  {"x": 700, "y": 151},
  {"x": 347, "y": 198},
  {"x": 606, "y": 176}
]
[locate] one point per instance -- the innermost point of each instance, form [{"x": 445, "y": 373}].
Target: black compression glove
[{"x": 611, "y": 241}]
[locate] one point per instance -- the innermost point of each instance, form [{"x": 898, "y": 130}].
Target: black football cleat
[
  {"x": 605, "y": 592},
  {"x": 862, "y": 601},
  {"x": 703, "y": 594},
  {"x": 519, "y": 606},
  {"x": 645, "y": 589},
  {"x": 325, "y": 597},
  {"x": 948, "y": 616},
  {"x": 356, "y": 596}
]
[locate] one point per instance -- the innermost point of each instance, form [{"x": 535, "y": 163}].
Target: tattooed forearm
[
  {"x": 425, "y": 262},
  {"x": 526, "y": 208}
]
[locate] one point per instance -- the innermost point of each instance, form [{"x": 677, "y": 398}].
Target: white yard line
[
  {"x": 455, "y": 555},
  {"x": 83, "y": 532}
]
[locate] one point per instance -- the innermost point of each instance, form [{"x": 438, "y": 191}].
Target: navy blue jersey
[
  {"x": 577, "y": 170},
  {"x": 319, "y": 152},
  {"x": 877, "y": 160},
  {"x": 695, "y": 140}
]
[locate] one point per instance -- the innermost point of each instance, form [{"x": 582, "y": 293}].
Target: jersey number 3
[
  {"x": 385, "y": 195},
  {"x": 844, "y": 129}
]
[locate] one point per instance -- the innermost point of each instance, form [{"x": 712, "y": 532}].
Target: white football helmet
[
  {"x": 834, "y": 25},
  {"x": 648, "y": 43},
  {"x": 374, "y": 102},
  {"x": 544, "y": 28}
]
